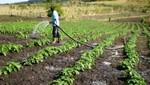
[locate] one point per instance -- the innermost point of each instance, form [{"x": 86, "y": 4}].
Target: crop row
[
  {"x": 44, "y": 41},
  {"x": 147, "y": 33},
  {"x": 16, "y": 27},
  {"x": 46, "y": 52},
  {"x": 50, "y": 51},
  {"x": 27, "y": 27},
  {"x": 10, "y": 47},
  {"x": 86, "y": 61},
  {"x": 139, "y": 29},
  {"x": 40, "y": 42},
  {"x": 43, "y": 54},
  {"x": 66, "y": 77},
  {"x": 15, "y": 66},
  {"x": 131, "y": 61}
]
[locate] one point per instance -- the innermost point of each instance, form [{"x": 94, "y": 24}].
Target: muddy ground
[
  {"x": 104, "y": 71},
  {"x": 42, "y": 73},
  {"x": 144, "y": 65},
  {"x": 23, "y": 53}
]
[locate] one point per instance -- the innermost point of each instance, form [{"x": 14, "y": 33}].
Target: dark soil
[
  {"x": 23, "y": 53},
  {"x": 44, "y": 72},
  {"x": 6, "y": 38},
  {"x": 142, "y": 46},
  {"x": 102, "y": 74},
  {"x": 144, "y": 64}
]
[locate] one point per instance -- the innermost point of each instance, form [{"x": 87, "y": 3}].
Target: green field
[
  {"x": 108, "y": 43},
  {"x": 22, "y": 55}
]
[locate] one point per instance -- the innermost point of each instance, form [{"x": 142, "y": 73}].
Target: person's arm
[{"x": 52, "y": 22}]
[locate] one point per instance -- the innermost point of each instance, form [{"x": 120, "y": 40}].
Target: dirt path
[
  {"x": 142, "y": 46},
  {"x": 144, "y": 65},
  {"x": 5, "y": 38},
  {"x": 42, "y": 73}
]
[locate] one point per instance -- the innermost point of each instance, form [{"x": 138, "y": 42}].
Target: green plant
[
  {"x": 146, "y": 32},
  {"x": 17, "y": 27},
  {"x": 134, "y": 78},
  {"x": 39, "y": 42},
  {"x": 132, "y": 56},
  {"x": 100, "y": 27},
  {"x": 64, "y": 80},
  {"x": 49, "y": 51},
  {"x": 85, "y": 62},
  {"x": 132, "y": 59},
  {"x": 10, "y": 47},
  {"x": 10, "y": 67},
  {"x": 22, "y": 36}
]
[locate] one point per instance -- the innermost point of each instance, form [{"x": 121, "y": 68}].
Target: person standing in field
[{"x": 55, "y": 24}]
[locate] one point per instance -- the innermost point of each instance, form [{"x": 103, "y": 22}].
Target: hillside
[{"x": 73, "y": 9}]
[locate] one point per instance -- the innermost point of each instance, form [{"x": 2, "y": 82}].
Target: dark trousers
[{"x": 55, "y": 32}]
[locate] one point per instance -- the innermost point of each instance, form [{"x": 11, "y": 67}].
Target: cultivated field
[{"x": 118, "y": 54}]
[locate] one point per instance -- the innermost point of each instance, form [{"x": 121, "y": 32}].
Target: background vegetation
[{"x": 76, "y": 9}]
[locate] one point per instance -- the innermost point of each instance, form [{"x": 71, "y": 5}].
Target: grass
[
  {"x": 73, "y": 10},
  {"x": 31, "y": 11}
]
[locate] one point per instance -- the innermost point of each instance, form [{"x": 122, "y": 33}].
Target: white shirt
[{"x": 55, "y": 18}]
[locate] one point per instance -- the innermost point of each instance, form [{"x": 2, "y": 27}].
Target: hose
[{"x": 73, "y": 38}]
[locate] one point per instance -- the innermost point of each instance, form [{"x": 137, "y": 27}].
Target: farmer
[{"x": 55, "y": 24}]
